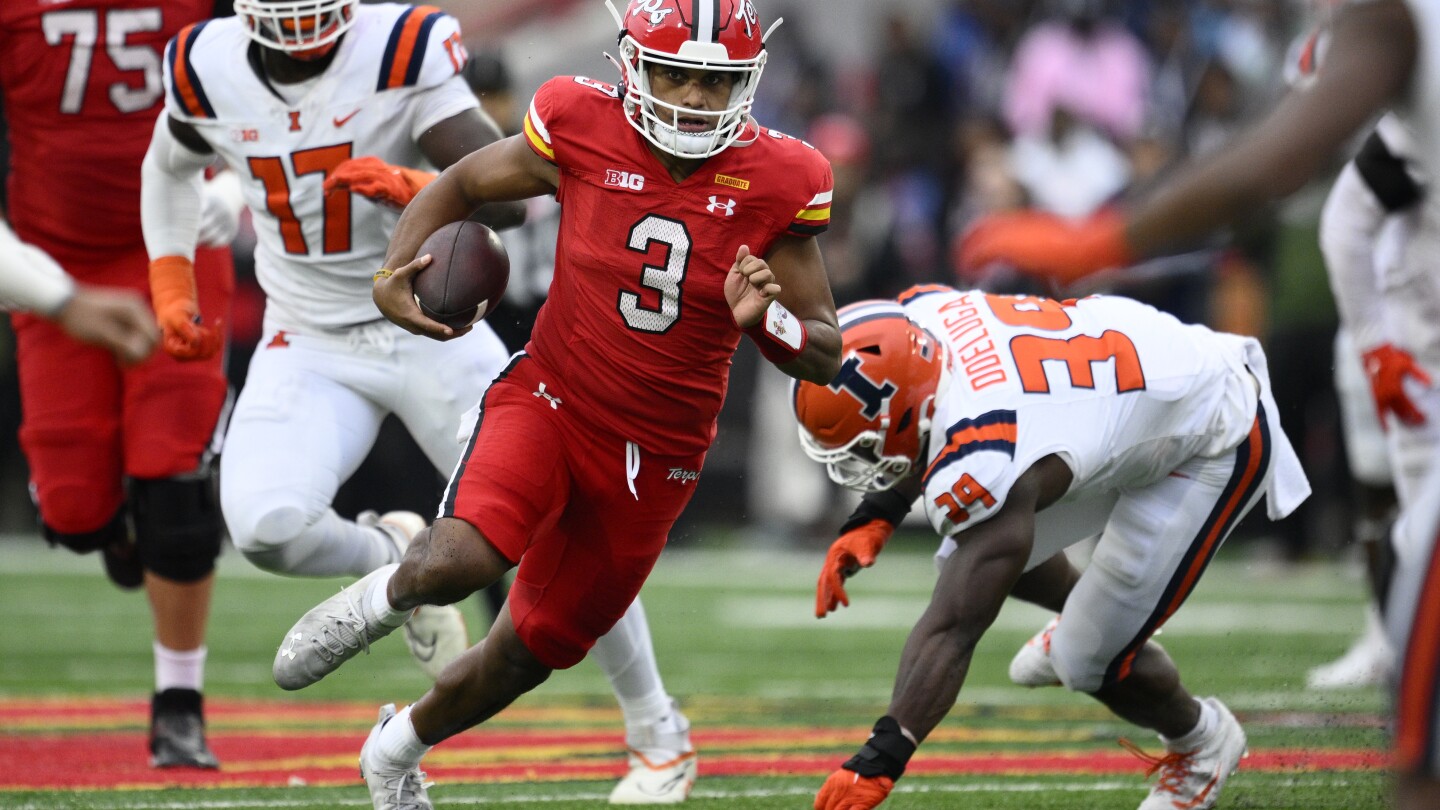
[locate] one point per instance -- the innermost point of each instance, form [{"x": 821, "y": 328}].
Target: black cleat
[
  {"x": 177, "y": 731},
  {"x": 122, "y": 564}
]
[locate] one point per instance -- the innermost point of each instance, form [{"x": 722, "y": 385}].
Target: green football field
[{"x": 777, "y": 698}]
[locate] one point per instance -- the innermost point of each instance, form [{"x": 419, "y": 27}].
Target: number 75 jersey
[
  {"x": 394, "y": 75},
  {"x": 81, "y": 83},
  {"x": 1122, "y": 392}
]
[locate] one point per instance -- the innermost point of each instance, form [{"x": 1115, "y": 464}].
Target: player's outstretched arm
[
  {"x": 968, "y": 595},
  {"x": 862, "y": 537},
  {"x": 117, "y": 320},
  {"x": 801, "y": 335},
  {"x": 1368, "y": 66}
]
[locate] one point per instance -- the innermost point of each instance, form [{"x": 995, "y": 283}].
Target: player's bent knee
[
  {"x": 451, "y": 560},
  {"x": 178, "y": 528},
  {"x": 112, "y": 532},
  {"x": 1078, "y": 673},
  {"x": 265, "y": 531}
]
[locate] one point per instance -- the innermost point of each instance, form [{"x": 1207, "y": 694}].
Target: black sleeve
[
  {"x": 889, "y": 506},
  {"x": 1386, "y": 175}
]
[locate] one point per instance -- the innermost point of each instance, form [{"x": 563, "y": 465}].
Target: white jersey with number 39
[
  {"x": 394, "y": 75},
  {"x": 1122, "y": 392}
]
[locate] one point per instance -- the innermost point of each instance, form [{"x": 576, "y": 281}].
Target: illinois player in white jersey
[
  {"x": 684, "y": 226},
  {"x": 306, "y": 102},
  {"x": 1382, "y": 54},
  {"x": 1027, "y": 425}
]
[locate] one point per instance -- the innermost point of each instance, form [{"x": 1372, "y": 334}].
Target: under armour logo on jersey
[
  {"x": 716, "y": 206},
  {"x": 854, "y": 382},
  {"x": 555, "y": 401},
  {"x": 655, "y": 8}
]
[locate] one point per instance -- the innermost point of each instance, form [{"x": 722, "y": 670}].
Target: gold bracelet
[{"x": 382, "y": 273}]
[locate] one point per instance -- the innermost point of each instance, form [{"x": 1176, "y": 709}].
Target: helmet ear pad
[{"x": 869, "y": 424}]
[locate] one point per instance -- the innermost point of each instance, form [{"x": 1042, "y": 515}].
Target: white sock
[
  {"x": 1209, "y": 719},
  {"x": 627, "y": 657},
  {"x": 398, "y": 745},
  {"x": 380, "y": 601},
  {"x": 179, "y": 669}
]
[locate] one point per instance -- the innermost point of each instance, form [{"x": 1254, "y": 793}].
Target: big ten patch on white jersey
[
  {"x": 1120, "y": 391},
  {"x": 395, "y": 74}
]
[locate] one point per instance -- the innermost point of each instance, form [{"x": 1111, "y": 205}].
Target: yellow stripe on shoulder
[{"x": 536, "y": 141}]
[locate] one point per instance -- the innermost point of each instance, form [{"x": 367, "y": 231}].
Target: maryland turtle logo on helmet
[
  {"x": 302, "y": 29},
  {"x": 720, "y": 35},
  {"x": 869, "y": 425}
]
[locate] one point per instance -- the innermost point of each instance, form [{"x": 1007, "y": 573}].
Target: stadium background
[{"x": 910, "y": 101}]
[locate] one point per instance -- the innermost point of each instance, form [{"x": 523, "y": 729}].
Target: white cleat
[
  {"x": 435, "y": 634},
  {"x": 1368, "y": 662},
  {"x": 1031, "y": 665},
  {"x": 663, "y": 764},
  {"x": 392, "y": 788},
  {"x": 1192, "y": 780},
  {"x": 330, "y": 634}
]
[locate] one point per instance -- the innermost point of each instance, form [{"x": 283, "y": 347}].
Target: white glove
[{"x": 220, "y": 205}]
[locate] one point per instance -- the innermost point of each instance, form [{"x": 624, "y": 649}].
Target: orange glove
[
  {"x": 1047, "y": 245},
  {"x": 380, "y": 181},
  {"x": 854, "y": 550},
  {"x": 173, "y": 296},
  {"x": 1387, "y": 366},
  {"x": 848, "y": 790}
]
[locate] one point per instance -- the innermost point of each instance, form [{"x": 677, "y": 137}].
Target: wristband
[
  {"x": 382, "y": 273},
  {"x": 886, "y": 753},
  {"x": 780, "y": 336},
  {"x": 889, "y": 506}
]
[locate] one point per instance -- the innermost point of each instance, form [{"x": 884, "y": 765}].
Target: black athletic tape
[
  {"x": 886, "y": 753},
  {"x": 889, "y": 506}
]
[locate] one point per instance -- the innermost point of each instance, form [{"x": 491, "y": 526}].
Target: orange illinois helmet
[
  {"x": 718, "y": 35},
  {"x": 870, "y": 424}
]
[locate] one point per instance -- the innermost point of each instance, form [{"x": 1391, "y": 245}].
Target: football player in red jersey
[
  {"x": 120, "y": 455},
  {"x": 684, "y": 225}
]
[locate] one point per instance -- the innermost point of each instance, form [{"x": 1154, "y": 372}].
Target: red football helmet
[
  {"x": 720, "y": 35},
  {"x": 303, "y": 29},
  {"x": 870, "y": 424}
]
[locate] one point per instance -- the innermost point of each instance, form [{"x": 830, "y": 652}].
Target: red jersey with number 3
[
  {"x": 83, "y": 82},
  {"x": 636, "y": 326}
]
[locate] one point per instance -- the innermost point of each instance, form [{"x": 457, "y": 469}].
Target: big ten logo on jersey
[
  {"x": 633, "y": 181},
  {"x": 243, "y": 135},
  {"x": 595, "y": 84}
]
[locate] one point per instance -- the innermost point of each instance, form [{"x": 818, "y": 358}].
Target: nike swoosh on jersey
[{"x": 340, "y": 122}]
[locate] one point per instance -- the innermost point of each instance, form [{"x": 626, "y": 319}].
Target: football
[{"x": 466, "y": 276}]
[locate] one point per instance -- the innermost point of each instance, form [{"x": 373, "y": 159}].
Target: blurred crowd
[{"x": 1064, "y": 105}]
